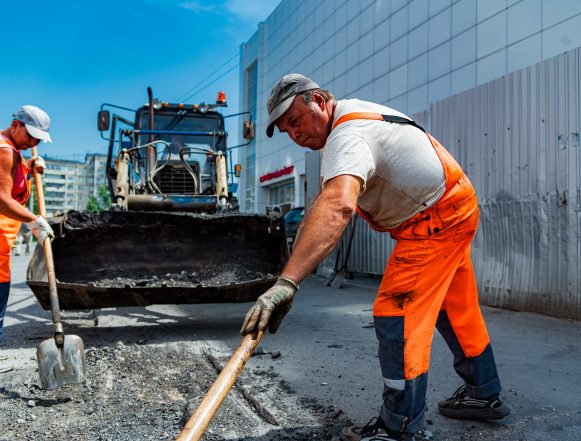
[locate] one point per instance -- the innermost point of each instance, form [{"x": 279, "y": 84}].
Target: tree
[
  {"x": 93, "y": 204},
  {"x": 104, "y": 196},
  {"x": 100, "y": 202}
]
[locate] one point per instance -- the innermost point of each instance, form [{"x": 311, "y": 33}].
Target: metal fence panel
[
  {"x": 518, "y": 139},
  {"x": 524, "y": 160}
]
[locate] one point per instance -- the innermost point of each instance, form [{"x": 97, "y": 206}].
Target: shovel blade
[{"x": 60, "y": 366}]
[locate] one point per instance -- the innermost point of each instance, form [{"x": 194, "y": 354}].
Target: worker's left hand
[
  {"x": 36, "y": 164},
  {"x": 275, "y": 302},
  {"x": 41, "y": 229}
]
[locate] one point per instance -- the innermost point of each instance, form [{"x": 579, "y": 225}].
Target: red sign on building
[{"x": 277, "y": 173}]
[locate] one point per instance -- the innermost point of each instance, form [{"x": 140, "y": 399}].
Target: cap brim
[
  {"x": 276, "y": 113},
  {"x": 37, "y": 133}
]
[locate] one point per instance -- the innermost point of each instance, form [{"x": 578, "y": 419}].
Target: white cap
[
  {"x": 283, "y": 94},
  {"x": 36, "y": 121}
]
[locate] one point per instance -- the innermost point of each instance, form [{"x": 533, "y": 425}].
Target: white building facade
[
  {"x": 68, "y": 184},
  {"x": 405, "y": 54}
]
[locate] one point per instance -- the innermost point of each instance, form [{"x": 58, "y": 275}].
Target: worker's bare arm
[
  {"x": 323, "y": 225},
  {"x": 8, "y": 206}
]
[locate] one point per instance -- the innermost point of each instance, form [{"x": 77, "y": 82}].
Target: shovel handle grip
[
  {"x": 200, "y": 419},
  {"x": 49, "y": 262}
]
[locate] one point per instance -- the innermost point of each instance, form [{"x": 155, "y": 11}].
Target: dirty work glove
[
  {"x": 36, "y": 164},
  {"x": 41, "y": 229},
  {"x": 276, "y": 301}
]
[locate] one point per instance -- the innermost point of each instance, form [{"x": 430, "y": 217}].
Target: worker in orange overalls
[
  {"x": 380, "y": 163},
  {"x": 29, "y": 126}
]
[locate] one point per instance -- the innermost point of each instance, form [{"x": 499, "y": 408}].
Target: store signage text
[{"x": 277, "y": 173}]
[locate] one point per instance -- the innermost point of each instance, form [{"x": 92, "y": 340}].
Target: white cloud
[
  {"x": 197, "y": 6},
  {"x": 254, "y": 9}
]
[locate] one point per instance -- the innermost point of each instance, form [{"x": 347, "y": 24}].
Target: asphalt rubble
[
  {"x": 137, "y": 391},
  {"x": 217, "y": 276}
]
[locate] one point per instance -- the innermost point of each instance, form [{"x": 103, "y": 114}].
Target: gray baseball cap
[
  {"x": 36, "y": 121},
  {"x": 282, "y": 96}
]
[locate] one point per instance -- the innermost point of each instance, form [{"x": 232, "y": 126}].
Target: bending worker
[
  {"x": 401, "y": 181},
  {"x": 29, "y": 125}
]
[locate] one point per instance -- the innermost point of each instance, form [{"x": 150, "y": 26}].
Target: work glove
[
  {"x": 36, "y": 164},
  {"x": 41, "y": 229},
  {"x": 275, "y": 302}
]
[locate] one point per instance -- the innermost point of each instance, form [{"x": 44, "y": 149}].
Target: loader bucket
[{"x": 127, "y": 258}]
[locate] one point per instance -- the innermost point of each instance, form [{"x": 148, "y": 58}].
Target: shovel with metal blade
[{"x": 61, "y": 359}]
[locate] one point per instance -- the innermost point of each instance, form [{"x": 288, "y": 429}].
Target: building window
[{"x": 283, "y": 193}]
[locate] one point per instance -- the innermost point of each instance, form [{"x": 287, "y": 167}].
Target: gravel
[
  {"x": 215, "y": 277},
  {"x": 141, "y": 392}
]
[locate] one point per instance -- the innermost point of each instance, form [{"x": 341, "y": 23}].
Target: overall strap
[
  {"x": 377, "y": 117},
  {"x": 5, "y": 143}
]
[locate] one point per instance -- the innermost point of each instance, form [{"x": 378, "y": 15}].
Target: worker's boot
[
  {"x": 460, "y": 405},
  {"x": 374, "y": 430}
]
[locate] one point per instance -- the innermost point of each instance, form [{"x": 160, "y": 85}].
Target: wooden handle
[
  {"x": 39, "y": 189},
  {"x": 199, "y": 421},
  {"x": 49, "y": 261}
]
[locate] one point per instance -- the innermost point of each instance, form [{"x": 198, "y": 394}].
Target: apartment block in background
[{"x": 69, "y": 184}]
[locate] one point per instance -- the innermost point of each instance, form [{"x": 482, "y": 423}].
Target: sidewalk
[{"x": 329, "y": 353}]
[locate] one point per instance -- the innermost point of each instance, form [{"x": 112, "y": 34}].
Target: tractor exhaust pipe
[{"x": 150, "y": 153}]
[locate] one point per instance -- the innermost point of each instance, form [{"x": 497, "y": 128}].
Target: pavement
[{"x": 329, "y": 353}]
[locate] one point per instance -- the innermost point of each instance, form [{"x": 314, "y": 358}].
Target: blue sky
[{"x": 69, "y": 56}]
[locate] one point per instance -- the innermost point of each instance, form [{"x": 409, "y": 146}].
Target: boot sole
[{"x": 476, "y": 414}]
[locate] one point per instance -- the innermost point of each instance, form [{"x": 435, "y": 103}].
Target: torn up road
[
  {"x": 147, "y": 392},
  {"x": 149, "y": 367}
]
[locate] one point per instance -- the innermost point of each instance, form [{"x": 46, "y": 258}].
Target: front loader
[{"x": 173, "y": 234}]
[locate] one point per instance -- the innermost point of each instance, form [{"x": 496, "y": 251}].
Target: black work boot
[
  {"x": 460, "y": 405},
  {"x": 374, "y": 430}
]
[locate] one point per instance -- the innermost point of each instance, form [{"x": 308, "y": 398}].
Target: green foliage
[
  {"x": 93, "y": 204},
  {"x": 100, "y": 202},
  {"x": 104, "y": 196}
]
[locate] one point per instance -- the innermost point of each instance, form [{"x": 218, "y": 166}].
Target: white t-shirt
[{"x": 402, "y": 172}]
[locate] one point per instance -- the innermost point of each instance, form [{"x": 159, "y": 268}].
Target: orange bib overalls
[
  {"x": 429, "y": 282},
  {"x": 9, "y": 227}
]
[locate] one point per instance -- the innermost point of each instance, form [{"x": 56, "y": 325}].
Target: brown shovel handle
[
  {"x": 198, "y": 422},
  {"x": 49, "y": 262}
]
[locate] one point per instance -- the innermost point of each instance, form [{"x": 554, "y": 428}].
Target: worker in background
[
  {"x": 22, "y": 241},
  {"x": 29, "y": 126},
  {"x": 380, "y": 163}
]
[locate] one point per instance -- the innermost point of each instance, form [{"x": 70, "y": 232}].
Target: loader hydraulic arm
[{"x": 111, "y": 172}]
